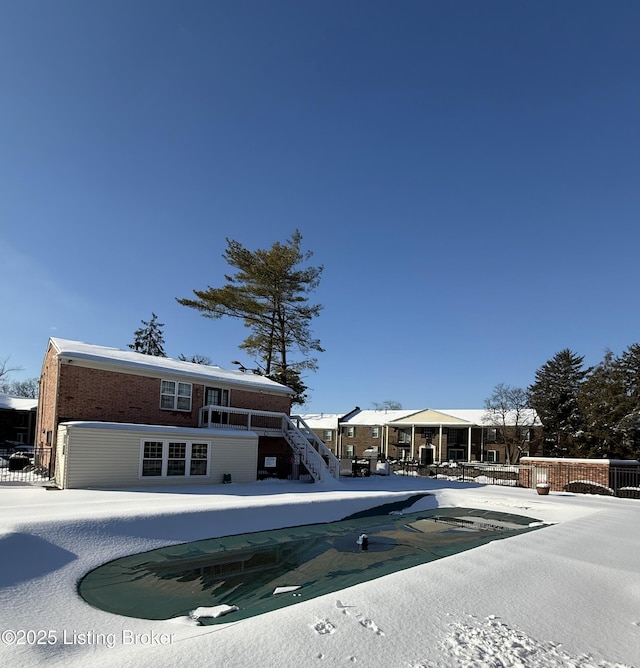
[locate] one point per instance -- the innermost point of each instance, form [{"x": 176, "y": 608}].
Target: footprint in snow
[
  {"x": 369, "y": 624},
  {"x": 324, "y": 626}
]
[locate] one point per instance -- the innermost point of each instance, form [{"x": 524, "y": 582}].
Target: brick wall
[
  {"x": 560, "y": 472},
  {"x": 361, "y": 440},
  {"x": 69, "y": 391},
  {"x": 260, "y": 401},
  {"x": 108, "y": 396},
  {"x": 46, "y": 421}
]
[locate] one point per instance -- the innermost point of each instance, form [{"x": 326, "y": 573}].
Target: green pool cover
[{"x": 250, "y": 574}]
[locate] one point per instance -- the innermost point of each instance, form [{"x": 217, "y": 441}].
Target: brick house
[
  {"x": 426, "y": 435},
  {"x": 114, "y": 417}
]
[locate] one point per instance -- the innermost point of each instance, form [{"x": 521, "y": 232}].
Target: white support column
[
  {"x": 413, "y": 441},
  {"x": 440, "y": 444},
  {"x": 469, "y": 444}
]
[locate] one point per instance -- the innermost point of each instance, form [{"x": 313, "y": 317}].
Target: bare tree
[
  {"x": 388, "y": 405},
  {"x": 5, "y": 370},
  {"x": 508, "y": 409}
]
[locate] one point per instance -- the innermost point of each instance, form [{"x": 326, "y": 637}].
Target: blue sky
[{"x": 467, "y": 173}]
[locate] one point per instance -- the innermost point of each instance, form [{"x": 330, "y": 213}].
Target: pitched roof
[
  {"x": 376, "y": 416},
  {"x": 460, "y": 417},
  {"x": 10, "y": 402},
  {"x": 129, "y": 360}
]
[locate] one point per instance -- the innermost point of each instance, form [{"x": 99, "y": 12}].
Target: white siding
[{"x": 107, "y": 457}]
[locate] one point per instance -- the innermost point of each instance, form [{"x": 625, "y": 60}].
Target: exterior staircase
[{"x": 321, "y": 463}]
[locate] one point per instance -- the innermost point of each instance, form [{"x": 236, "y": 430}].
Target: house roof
[
  {"x": 457, "y": 417},
  {"x": 124, "y": 360},
  {"x": 10, "y": 402},
  {"x": 321, "y": 420},
  {"x": 377, "y": 416}
]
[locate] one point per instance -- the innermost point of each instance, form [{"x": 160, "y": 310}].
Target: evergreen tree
[
  {"x": 629, "y": 424},
  {"x": 269, "y": 293},
  {"x": 149, "y": 339},
  {"x": 609, "y": 401},
  {"x": 554, "y": 396}
]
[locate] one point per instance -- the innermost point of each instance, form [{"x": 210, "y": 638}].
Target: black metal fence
[
  {"x": 621, "y": 481},
  {"x": 25, "y": 464}
]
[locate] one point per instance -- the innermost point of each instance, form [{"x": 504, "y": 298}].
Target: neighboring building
[
  {"x": 427, "y": 435},
  {"x": 17, "y": 420},
  {"x": 365, "y": 433},
  {"x": 109, "y": 417}
]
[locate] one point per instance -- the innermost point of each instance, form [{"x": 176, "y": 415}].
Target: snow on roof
[
  {"x": 10, "y": 402},
  {"x": 321, "y": 420},
  {"x": 375, "y": 416},
  {"x": 124, "y": 359},
  {"x": 427, "y": 416},
  {"x": 201, "y": 432}
]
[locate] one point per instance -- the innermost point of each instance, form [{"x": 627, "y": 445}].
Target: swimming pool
[{"x": 219, "y": 580}]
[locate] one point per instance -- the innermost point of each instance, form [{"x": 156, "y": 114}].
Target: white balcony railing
[{"x": 312, "y": 452}]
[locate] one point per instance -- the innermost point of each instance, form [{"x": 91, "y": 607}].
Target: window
[
  {"x": 327, "y": 435},
  {"x": 199, "y": 458},
  {"x": 427, "y": 432},
  {"x": 350, "y": 450},
  {"x": 455, "y": 454},
  {"x": 152, "y": 458},
  {"x": 162, "y": 459},
  {"x": 177, "y": 460},
  {"x": 375, "y": 432},
  {"x": 525, "y": 433},
  {"x": 404, "y": 436},
  {"x": 492, "y": 456},
  {"x": 492, "y": 435},
  {"x": 455, "y": 436},
  {"x": 175, "y": 396},
  {"x": 351, "y": 432},
  {"x": 216, "y": 396}
]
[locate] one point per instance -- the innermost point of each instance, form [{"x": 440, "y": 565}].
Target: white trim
[{"x": 165, "y": 458}]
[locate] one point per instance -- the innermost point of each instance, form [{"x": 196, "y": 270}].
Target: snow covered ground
[{"x": 567, "y": 595}]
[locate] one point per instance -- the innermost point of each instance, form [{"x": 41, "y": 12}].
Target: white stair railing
[
  {"x": 330, "y": 460},
  {"x": 314, "y": 462}
]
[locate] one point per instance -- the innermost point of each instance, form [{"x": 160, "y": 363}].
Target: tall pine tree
[
  {"x": 554, "y": 396},
  {"x": 149, "y": 338},
  {"x": 610, "y": 401},
  {"x": 270, "y": 293}
]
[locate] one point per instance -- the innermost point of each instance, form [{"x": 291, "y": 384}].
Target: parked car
[
  {"x": 6, "y": 450},
  {"x": 28, "y": 450},
  {"x": 20, "y": 459}
]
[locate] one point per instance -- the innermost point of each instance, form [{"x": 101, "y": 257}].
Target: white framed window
[
  {"x": 351, "y": 432},
  {"x": 350, "y": 450},
  {"x": 175, "y": 396},
  {"x": 169, "y": 458},
  {"x": 492, "y": 456},
  {"x": 455, "y": 454},
  {"x": 525, "y": 434},
  {"x": 375, "y": 432},
  {"x": 404, "y": 436},
  {"x": 492, "y": 435},
  {"x": 327, "y": 435}
]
